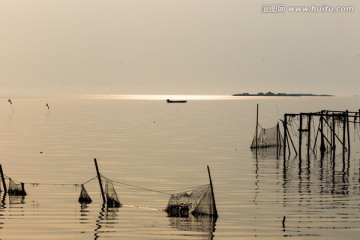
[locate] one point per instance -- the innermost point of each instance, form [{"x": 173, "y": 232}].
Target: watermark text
[{"x": 283, "y": 8}]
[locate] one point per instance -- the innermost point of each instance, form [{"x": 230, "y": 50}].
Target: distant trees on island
[{"x": 282, "y": 94}]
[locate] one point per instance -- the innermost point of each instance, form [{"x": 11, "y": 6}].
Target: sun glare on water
[{"x": 165, "y": 97}]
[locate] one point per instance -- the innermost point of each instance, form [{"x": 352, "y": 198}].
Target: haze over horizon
[{"x": 176, "y": 47}]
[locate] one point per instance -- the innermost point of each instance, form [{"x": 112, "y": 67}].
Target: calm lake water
[{"x": 145, "y": 142}]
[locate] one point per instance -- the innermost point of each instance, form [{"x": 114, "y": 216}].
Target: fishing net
[
  {"x": 267, "y": 137},
  {"x": 112, "y": 199},
  {"x": 16, "y": 189},
  {"x": 198, "y": 201},
  {"x": 84, "y": 197}
]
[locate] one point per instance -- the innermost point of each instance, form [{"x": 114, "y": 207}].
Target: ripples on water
[{"x": 166, "y": 147}]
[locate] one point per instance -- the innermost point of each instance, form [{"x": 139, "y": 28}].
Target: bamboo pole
[
  {"x": 3, "y": 179},
  {"x": 100, "y": 183},
  {"x": 212, "y": 193}
]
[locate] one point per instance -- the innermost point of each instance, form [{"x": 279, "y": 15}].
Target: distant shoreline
[{"x": 270, "y": 94}]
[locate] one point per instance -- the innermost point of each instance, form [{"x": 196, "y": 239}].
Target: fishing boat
[{"x": 175, "y": 101}]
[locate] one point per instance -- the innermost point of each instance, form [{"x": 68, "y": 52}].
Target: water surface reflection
[{"x": 204, "y": 224}]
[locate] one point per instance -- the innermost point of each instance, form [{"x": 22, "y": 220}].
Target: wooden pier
[{"x": 324, "y": 130}]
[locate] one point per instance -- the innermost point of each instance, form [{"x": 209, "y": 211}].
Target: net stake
[
  {"x": 212, "y": 193},
  {"x": 23, "y": 193},
  {"x": 3, "y": 179},
  {"x": 100, "y": 183}
]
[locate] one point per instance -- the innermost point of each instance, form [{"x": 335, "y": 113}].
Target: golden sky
[{"x": 177, "y": 47}]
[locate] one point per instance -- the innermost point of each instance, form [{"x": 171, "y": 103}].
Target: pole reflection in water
[
  {"x": 316, "y": 196},
  {"x": 107, "y": 216},
  {"x": 325, "y": 187},
  {"x": 3, "y": 201},
  {"x": 2, "y": 207},
  {"x": 100, "y": 218}
]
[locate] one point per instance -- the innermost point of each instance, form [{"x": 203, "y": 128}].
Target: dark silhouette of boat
[{"x": 175, "y": 101}]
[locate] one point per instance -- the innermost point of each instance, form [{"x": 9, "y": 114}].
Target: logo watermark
[{"x": 283, "y": 8}]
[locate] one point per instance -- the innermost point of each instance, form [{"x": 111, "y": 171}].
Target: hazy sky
[{"x": 176, "y": 47}]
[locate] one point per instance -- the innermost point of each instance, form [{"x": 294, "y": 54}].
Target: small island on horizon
[{"x": 283, "y": 94}]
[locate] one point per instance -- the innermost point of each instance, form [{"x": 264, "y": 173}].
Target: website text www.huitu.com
[{"x": 283, "y": 8}]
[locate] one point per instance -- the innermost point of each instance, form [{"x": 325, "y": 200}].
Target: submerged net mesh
[
  {"x": 112, "y": 199},
  {"x": 267, "y": 138},
  {"x": 202, "y": 223},
  {"x": 16, "y": 189},
  {"x": 205, "y": 206},
  {"x": 84, "y": 196},
  {"x": 198, "y": 201},
  {"x": 16, "y": 199}
]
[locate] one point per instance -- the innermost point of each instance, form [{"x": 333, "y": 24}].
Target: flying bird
[{"x": 9, "y": 100}]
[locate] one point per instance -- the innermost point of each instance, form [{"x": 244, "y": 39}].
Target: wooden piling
[
  {"x": 215, "y": 214},
  {"x": 3, "y": 179},
  {"x": 327, "y": 143},
  {"x": 348, "y": 132},
  {"x": 309, "y": 136},
  {"x": 100, "y": 182},
  {"x": 322, "y": 142},
  {"x": 285, "y": 135},
  {"x": 300, "y": 134},
  {"x": 344, "y": 136}
]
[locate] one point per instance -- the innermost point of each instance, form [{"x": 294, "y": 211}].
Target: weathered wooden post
[
  {"x": 285, "y": 136},
  {"x": 3, "y": 179},
  {"x": 348, "y": 132},
  {"x": 344, "y": 135},
  {"x": 322, "y": 142},
  {"x": 300, "y": 135},
  {"x": 309, "y": 136},
  {"x": 333, "y": 136},
  {"x": 100, "y": 183}
]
